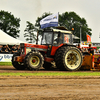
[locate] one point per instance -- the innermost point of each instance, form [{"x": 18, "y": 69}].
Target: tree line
[{"x": 11, "y": 24}]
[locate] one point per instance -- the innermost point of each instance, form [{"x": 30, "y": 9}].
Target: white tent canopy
[{"x": 7, "y": 39}]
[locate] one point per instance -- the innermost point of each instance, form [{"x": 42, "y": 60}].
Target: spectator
[
  {"x": 82, "y": 49},
  {"x": 4, "y": 49},
  {"x": 14, "y": 49},
  {"x": 0, "y": 48},
  {"x": 8, "y": 49},
  {"x": 79, "y": 47},
  {"x": 96, "y": 51},
  {"x": 85, "y": 49},
  {"x": 91, "y": 52}
]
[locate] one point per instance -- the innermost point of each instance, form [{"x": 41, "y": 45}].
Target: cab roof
[
  {"x": 62, "y": 30},
  {"x": 59, "y": 29}
]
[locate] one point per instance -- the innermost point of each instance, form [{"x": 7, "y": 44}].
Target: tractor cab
[{"x": 56, "y": 37}]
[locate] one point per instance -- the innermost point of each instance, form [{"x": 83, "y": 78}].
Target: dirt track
[{"x": 47, "y": 88}]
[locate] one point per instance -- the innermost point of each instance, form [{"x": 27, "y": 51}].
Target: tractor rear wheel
[
  {"x": 68, "y": 58},
  {"x": 34, "y": 60},
  {"x": 17, "y": 65}
]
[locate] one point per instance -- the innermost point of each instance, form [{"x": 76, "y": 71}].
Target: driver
[{"x": 59, "y": 39}]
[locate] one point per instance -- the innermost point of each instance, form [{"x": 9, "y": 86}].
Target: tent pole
[{"x": 37, "y": 38}]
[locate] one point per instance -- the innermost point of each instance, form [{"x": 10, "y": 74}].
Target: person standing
[
  {"x": 79, "y": 47},
  {"x": 91, "y": 52}
]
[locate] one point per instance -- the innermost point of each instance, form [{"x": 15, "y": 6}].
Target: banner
[
  {"x": 5, "y": 57},
  {"x": 85, "y": 43},
  {"x": 51, "y": 20},
  {"x": 88, "y": 38}
]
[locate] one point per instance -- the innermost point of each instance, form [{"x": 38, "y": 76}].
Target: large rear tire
[
  {"x": 68, "y": 58},
  {"x": 34, "y": 60},
  {"x": 17, "y": 65}
]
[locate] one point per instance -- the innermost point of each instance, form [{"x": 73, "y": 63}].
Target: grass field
[
  {"x": 91, "y": 73},
  {"x": 53, "y": 74},
  {"x": 5, "y": 64}
]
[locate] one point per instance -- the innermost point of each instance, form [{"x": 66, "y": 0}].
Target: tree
[
  {"x": 72, "y": 20},
  {"x": 69, "y": 20},
  {"x": 29, "y": 32},
  {"x": 9, "y": 24}
]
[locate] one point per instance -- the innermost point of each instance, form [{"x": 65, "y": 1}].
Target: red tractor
[{"x": 56, "y": 46}]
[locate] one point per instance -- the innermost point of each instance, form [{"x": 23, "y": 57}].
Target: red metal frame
[
  {"x": 36, "y": 46},
  {"x": 48, "y": 59},
  {"x": 54, "y": 49}
]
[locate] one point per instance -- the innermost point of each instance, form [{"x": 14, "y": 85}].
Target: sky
[{"x": 29, "y": 10}]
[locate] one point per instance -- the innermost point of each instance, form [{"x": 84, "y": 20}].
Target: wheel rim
[
  {"x": 34, "y": 61},
  {"x": 72, "y": 59}
]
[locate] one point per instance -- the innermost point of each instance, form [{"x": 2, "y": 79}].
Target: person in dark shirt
[
  {"x": 79, "y": 47},
  {"x": 14, "y": 49},
  {"x": 91, "y": 52},
  {"x": 59, "y": 39}
]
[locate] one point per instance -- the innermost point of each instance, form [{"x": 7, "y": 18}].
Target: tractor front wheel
[{"x": 34, "y": 60}]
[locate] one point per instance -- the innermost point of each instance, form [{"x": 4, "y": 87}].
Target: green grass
[
  {"x": 5, "y": 64},
  {"x": 53, "y": 74},
  {"x": 67, "y": 73}
]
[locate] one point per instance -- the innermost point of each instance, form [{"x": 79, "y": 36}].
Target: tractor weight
[{"x": 17, "y": 65}]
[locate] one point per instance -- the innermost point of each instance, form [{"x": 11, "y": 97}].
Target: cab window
[
  {"x": 47, "y": 38},
  {"x": 57, "y": 39},
  {"x": 67, "y": 38}
]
